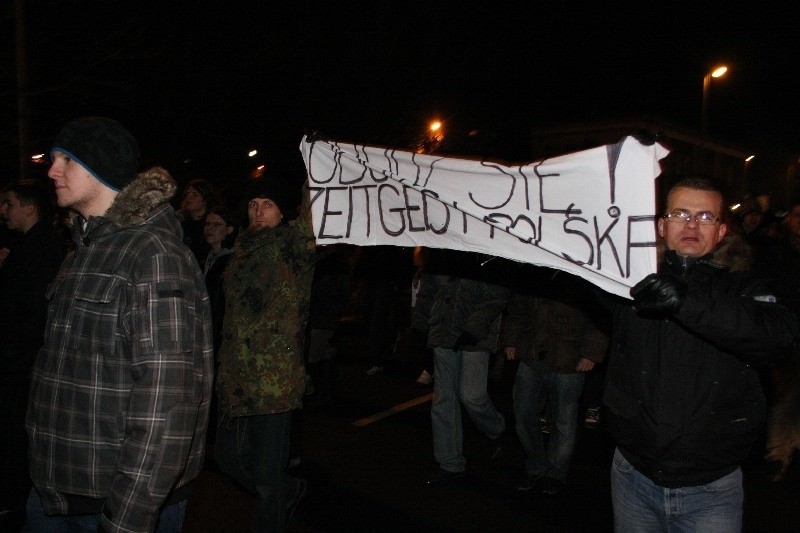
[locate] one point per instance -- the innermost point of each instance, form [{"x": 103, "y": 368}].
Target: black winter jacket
[{"x": 685, "y": 404}]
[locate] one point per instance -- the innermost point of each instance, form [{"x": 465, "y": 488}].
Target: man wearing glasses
[{"x": 685, "y": 405}]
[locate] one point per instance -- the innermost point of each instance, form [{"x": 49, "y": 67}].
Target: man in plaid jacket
[{"x": 121, "y": 389}]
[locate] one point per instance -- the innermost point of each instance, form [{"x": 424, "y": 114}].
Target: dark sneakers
[
  {"x": 495, "y": 446},
  {"x": 300, "y": 491},
  {"x": 529, "y": 481},
  {"x": 592, "y": 420},
  {"x": 445, "y": 477},
  {"x": 540, "y": 482},
  {"x": 551, "y": 486}
]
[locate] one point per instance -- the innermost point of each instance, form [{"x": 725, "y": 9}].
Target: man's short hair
[
  {"x": 700, "y": 184},
  {"x": 205, "y": 189},
  {"x": 30, "y": 192}
]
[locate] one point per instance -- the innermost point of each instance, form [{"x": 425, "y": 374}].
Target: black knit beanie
[
  {"x": 271, "y": 187},
  {"x": 103, "y": 147}
]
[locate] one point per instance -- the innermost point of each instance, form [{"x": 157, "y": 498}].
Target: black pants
[{"x": 15, "y": 483}]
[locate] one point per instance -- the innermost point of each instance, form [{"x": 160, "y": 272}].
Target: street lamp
[
  {"x": 432, "y": 138},
  {"x": 716, "y": 73}
]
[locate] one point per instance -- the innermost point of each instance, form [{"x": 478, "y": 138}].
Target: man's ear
[
  {"x": 723, "y": 230},
  {"x": 661, "y": 227}
]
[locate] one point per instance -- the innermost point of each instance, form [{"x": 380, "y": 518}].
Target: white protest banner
[{"x": 590, "y": 213}]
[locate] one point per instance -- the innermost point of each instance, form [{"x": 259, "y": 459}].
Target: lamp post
[
  {"x": 432, "y": 138},
  {"x": 716, "y": 73}
]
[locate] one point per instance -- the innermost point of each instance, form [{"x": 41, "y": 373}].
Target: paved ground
[{"x": 372, "y": 477}]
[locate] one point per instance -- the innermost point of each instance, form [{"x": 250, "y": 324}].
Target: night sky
[{"x": 207, "y": 81}]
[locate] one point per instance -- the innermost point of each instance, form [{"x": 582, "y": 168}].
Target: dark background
[{"x": 202, "y": 83}]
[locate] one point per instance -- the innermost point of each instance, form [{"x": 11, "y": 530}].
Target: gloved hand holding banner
[{"x": 590, "y": 213}]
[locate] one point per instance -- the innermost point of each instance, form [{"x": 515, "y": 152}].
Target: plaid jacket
[{"x": 121, "y": 389}]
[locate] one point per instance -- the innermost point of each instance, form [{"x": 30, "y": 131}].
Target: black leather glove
[
  {"x": 659, "y": 293},
  {"x": 465, "y": 339}
]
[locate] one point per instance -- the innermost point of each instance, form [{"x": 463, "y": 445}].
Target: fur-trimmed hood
[
  {"x": 136, "y": 201},
  {"x": 734, "y": 252}
]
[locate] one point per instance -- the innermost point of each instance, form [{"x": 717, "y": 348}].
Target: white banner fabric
[{"x": 590, "y": 213}]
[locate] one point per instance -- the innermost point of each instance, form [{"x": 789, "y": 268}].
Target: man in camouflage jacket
[{"x": 261, "y": 375}]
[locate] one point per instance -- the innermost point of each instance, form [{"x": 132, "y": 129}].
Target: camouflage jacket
[{"x": 267, "y": 293}]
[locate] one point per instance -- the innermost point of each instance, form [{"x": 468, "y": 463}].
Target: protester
[
  {"x": 459, "y": 306},
  {"x": 330, "y": 293},
  {"x": 685, "y": 404},
  {"x": 384, "y": 272},
  {"x": 220, "y": 227},
  {"x": 7, "y": 236},
  {"x": 198, "y": 199},
  {"x": 121, "y": 389},
  {"x": 779, "y": 260},
  {"x": 558, "y": 336},
  {"x": 261, "y": 376},
  {"x": 420, "y": 352},
  {"x": 30, "y": 266}
]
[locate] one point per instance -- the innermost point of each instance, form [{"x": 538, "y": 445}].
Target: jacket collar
[
  {"x": 136, "y": 203},
  {"x": 680, "y": 265}
]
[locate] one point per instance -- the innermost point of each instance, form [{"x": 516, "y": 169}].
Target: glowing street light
[
  {"x": 252, "y": 153},
  {"x": 430, "y": 139},
  {"x": 436, "y": 131},
  {"x": 716, "y": 73}
]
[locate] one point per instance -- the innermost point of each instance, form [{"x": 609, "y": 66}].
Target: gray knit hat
[{"x": 103, "y": 147}]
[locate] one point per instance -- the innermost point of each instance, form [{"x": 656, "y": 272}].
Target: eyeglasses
[{"x": 704, "y": 218}]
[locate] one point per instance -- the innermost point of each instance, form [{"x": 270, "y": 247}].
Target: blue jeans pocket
[
  {"x": 621, "y": 464},
  {"x": 726, "y": 483}
]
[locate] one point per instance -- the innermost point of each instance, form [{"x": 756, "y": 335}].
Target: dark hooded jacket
[
  {"x": 555, "y": 323},
  {"x": 685, "y": 404},
  {"x": 461, "y": 294},
  {"x": 121, "y": 389}
]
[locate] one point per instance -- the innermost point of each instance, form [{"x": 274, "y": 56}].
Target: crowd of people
[{"x": 146, "y": 334}]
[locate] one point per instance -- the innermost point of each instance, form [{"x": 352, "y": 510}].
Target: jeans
[
  {"x": 170, "y": 520},
  {"x": 254, "y": 450},
  {"x": 641, "y": 505},
  {"x": 460, "y": 379},
  {"x": 532, "y": 387}
]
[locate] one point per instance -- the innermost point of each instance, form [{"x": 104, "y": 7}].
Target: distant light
[
  {"x": 38, "y": 158},
  {"x": 252, "y": 153},
  {"x": 187, "y": 161},
  {"x": 749, "y": 158},
  {"x": 435, "y": 125},
  {"x": 257, "y": 172},
  {"x": 734, "y": 207},
  {"x": 719, "y": 71}
]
